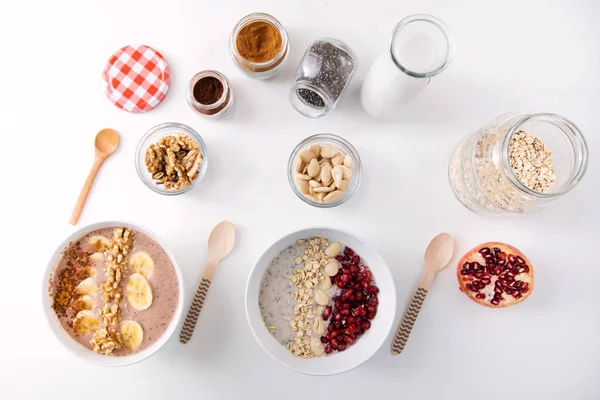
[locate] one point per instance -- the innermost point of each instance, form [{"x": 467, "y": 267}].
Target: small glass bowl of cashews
[{"x": 324, "y": 170}]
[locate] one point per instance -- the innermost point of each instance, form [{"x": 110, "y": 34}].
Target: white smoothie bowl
[
  {"x": 364, "y": 347},
  {"x": 87, "y": 353}
]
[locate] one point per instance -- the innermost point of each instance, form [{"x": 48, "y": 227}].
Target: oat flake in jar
[
  {"x": 420, "y": 47},
  {"x": 518, "y": 163}
]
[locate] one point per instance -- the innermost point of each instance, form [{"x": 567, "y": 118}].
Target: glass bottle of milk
[{"x": 421, "y": 46}]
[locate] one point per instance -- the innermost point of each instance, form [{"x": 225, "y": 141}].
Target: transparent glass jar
[
  {"x": 484, "y": 177},
  {"x": 322, "y": 77},
  {"x": 152, "y": 137},
  {"x": 264, "y": 69},
  {"x": 215, "y": 109},
  {"x": 420, "y": 47},
  {"x": 326, "y": 139}
]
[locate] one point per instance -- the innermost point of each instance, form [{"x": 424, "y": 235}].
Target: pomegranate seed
[
  {"x": 464, "y": 272},
  {"x": 355, "y": 261},
  {"x": 345, "y": 312},
  {"x": 373, "y": 289},
  {"x": 334, "y": 334},
  {"x": 495, "y": 302},
  {"x": 359, "y": 296},
  {"x": 484, "y": 251},
  {"x": 329, "y": 336},
  {"x": 351, "y": 320},
  {"x": 497, "y": 290},
  {"x": 365, "y": 325},
  {"x": 479, "y": 275},
  {"x": 324, "y": 339},
  {"x": 345, "y": 306},
  {"x": 371, "y": 315},
  {"x": 373, "y": 301},
  {"x": 326, "y": 313},
  {"x": 348, "y": 251},
  {"x": 480, "y": 296},
  {"x": 331, "y": 328},
  {"x": 349, "y": 340},
  {"x": 334, "y": 343},
  {"x": 328, "y": 349},
  {"x": 341, "y": 347},
  {"x": 339, "y": 258},
  {"x": 520, "y": 260},
  {"x": 486, "y": 281},
  {"x": 474, "y": 287}
]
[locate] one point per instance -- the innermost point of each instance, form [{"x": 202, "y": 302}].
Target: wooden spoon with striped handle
[
  {"x": 437, "y": 256},
  {"x": 220, "y": 243}
]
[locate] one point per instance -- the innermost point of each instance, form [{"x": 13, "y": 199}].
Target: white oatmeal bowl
[
  {"x": 272, "y": 305},
  {"x": 160, "y": 317}
]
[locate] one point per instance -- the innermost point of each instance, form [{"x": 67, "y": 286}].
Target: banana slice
[
  {"x": 98, "y": 256},
  {"x": 87, "y": 286},
  {"x": 138, "y": 292},
  {"x": 132, "y": 334},
  {"x": 142, "y": 263},
  {"x": 85, "y": 322},
  {"x": 99, "y": 243},
  {"x": 85, "y": 302}
]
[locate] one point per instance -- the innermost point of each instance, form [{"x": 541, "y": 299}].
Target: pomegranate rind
[{"x": 474, "y": 255}]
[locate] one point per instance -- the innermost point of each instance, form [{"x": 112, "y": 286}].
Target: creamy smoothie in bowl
[{"x": 115, "y": 291}]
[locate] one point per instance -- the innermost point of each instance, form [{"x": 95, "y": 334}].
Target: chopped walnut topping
[
  {"x": 105, "y": 340},
  {"x": 174, "y": 161}
]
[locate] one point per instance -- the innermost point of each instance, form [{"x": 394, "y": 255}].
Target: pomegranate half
[{"x": 495, "y": 275}]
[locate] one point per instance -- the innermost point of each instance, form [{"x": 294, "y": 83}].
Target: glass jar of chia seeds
[
  {"x": 518, "y": 163},
  {"x": 322, "y": 76}
]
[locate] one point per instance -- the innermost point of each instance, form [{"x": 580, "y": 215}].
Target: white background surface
[{"x": 541, "y": 56}]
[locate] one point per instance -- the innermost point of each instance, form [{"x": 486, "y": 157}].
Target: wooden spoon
[
  {"x": 220, "y": 243},
  {"x": 106, "y": 143},
  {"x": 437, "y": 256}
]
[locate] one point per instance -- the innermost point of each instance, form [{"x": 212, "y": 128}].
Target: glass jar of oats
[{"x": 518, "y": 163}]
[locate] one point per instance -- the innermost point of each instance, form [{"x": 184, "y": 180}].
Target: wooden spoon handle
[
  {"x": 85, "y": 190},
  {"x": 408, "y": 321},
  {"x": 194, "y": 312}
]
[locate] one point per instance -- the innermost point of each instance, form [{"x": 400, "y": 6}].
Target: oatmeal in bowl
[
  {"x": 113, "y": 293},
  {"x": 320, "y": 301}
]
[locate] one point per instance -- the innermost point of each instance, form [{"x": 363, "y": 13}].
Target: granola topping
[{"x": 78, "y": 269}]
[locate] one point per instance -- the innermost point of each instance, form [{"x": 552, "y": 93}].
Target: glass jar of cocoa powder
[
  {"x": 259, "y": 45},
  {"x": 209, "y": 93}
]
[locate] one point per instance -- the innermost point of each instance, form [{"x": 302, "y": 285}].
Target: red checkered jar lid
[{"x": 137, "y": 78}]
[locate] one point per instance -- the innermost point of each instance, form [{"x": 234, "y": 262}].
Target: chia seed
[
  {"x": 327, "y": 65},
  {"x": 311, "y": 98}
]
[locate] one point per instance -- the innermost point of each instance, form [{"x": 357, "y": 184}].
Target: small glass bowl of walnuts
[{"x": 171, "y": 158}]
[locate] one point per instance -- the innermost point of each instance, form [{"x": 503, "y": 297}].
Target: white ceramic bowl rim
[
  {"x": 87, "y": 353},
  {"x": 365, "y": 347}
]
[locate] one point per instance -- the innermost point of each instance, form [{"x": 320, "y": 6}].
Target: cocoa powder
[{"x": 208, "y": 90}]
